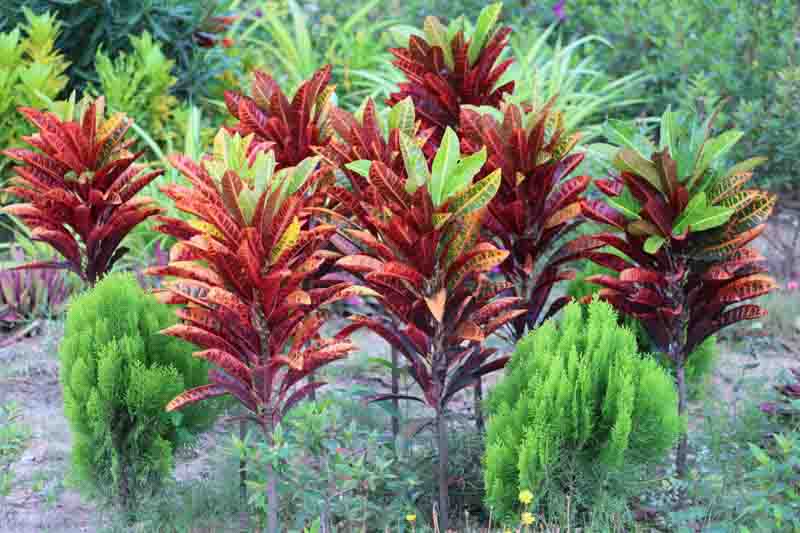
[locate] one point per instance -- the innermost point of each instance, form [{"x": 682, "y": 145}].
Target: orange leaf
[
  {"x": 471, "y": 331},
  {"x": 436, "y": 304}
]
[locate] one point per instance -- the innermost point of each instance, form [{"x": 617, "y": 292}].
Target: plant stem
[
  {"x": 444, "y": 496},
  {"x": 395, "y": 391},
  {"x": 478, "y": 387},
  {"x": 244, "y": 515},
  {"x": 273, "y": 503},
  {"x": 683, "y": 442}
]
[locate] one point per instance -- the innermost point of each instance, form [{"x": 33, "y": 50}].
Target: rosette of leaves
[
  {"x": 447, "y": 67},
  {"x": 292, "y": 129},
  {"x": 420, "y": 250},
  {"x": 79, "y": 186},
  {"x": 537, "y": 205},
  {"x": 258, "y": 269},
  {"x": 683, "y": 221}
]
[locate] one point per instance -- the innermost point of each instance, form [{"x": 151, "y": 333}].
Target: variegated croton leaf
[
  {"x": 683, "y": 223},
  {"x": 291, "y": 128},
  {"x": 79, "y": 185},
  {"x": 260, "y": 269},
  {"x": 538, "y": 202},
  {"x": 421, "y": 250},
  {"x": 450, "y": 67}
]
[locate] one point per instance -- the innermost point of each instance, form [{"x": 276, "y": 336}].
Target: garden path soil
[{"x": 41, "y": 501}]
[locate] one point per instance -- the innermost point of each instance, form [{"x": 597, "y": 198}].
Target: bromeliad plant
[
  {"x": 683, "y": 223},
  {"x": 537, "y": 204},
  {"x": 420, "y": 250},
  {"x": 256, "y": 264},
  {"x": 451, "y": 66},
  {"x": 291, "y": 129},
  {"x": 80, "y": 186}
]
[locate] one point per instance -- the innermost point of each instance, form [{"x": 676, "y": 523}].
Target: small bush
[
  {"x": 701, "y": 361},
  {"x": 118, "y": 374},
  {"x": 577, "y": 403}
]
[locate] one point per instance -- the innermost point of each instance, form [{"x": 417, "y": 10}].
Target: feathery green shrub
[
  {"x": 699, "y": 364},
  {"x": 118, "y": 374},
  {"x": 577, "y": 403}
]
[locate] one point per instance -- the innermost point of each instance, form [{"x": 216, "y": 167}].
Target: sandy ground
[{"x": 41, "y": 501}]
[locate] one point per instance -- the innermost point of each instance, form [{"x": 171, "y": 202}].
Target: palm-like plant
[
  {"x": 80, "y": 186},
  {"x": 256, "y": 265},
  {"x": 420, "y": 250},
  {"x": 683, "y": 223},
  {"x": 447, "y": 68},
  {"x": 538, "y": 203}
]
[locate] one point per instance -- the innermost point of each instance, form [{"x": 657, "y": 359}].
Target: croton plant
[
  {"x": 292, "y": 129},
  {"x": 448, "y": 67},
  {"x": 79, "y": 186},
  {"x": 256, "y": 265},
  {"x": 536, "y": 206},
  {"x": 683, "y": 223},
  {"x": 421, "y": 250}
]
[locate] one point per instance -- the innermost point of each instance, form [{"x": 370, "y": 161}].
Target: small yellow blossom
[
  {"x": 528, "y": 518},
  {"x": 526, "y": 497},
  {"x": 411, "y": 518}
]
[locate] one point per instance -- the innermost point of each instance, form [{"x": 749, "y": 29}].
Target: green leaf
[
  {"x": 669, "y": 132},
  {"x": 301, "y": 173},
  {"x": 713, "y": 149},
  {"x": 712, "y": 217},
  {"x": 625, "y": 204},
  {"x": 478, "y": 195},
  {"x": 696, "y": 205},
  {"x": 444, "y": 163},
  {"x": 483, "y": 28},
  {"x": 745, "y": 166},
  {"x": 360, "y": 167},
  {"x": 415, "y": 163},
  {"x": 436, "y": 35},
  {"x": 401, "y": 116},
  {"x": 630, "y": 160},
  {"x": 653, "y": 244},
  {"x": 465, "y": 171}
]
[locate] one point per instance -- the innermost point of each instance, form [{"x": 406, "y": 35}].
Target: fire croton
[
  {"x": 80, "y": 186},
  {"x": 449, "y": 67},
  {"x": 537, "y": 204},
  {"x": 683, "y": 223},
  {"x": 420, "y": 250},
  {"x": 293, "y": 128},
  {"x": 259, "y": 304}
]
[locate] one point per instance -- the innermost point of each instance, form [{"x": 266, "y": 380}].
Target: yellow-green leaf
[
  {"x": 476, "y": 196},
  {"x": 287, "y": 240}
]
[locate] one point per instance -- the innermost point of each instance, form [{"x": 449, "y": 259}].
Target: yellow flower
[
  {"x": 528, "y": 518},
  {"x": 526, "y": 497},
  {"x": 411, "y": 518}
]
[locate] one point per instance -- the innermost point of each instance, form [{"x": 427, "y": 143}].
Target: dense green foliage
[
  {"x": 118, "y": 373},
  {"x": 699, "y": 364},
  {"x": 31, "y": 71},
  {"x": 577, "y": 398}
]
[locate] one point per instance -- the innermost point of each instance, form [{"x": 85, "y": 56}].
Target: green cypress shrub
[
  {"x": 118, "y": 373},
  {"x": 700, "y": 362},
  {"x": 577, "y": 402}
]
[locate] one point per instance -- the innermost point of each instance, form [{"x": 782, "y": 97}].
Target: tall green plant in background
[
  {"x": 31, "y": 72},
  {"x": 118, "y": 374},
  {"x": 140, "y": 84},
  {"x": 577, "y": 403}
]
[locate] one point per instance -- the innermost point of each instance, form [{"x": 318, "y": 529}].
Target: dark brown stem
[{"x": 479, "y": 424}]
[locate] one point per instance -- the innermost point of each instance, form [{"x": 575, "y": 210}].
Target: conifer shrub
[
  {"x": 577, "y": 403},
  {"x": 701, "y": 361},
  {"x": 118, "y": 374}
]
